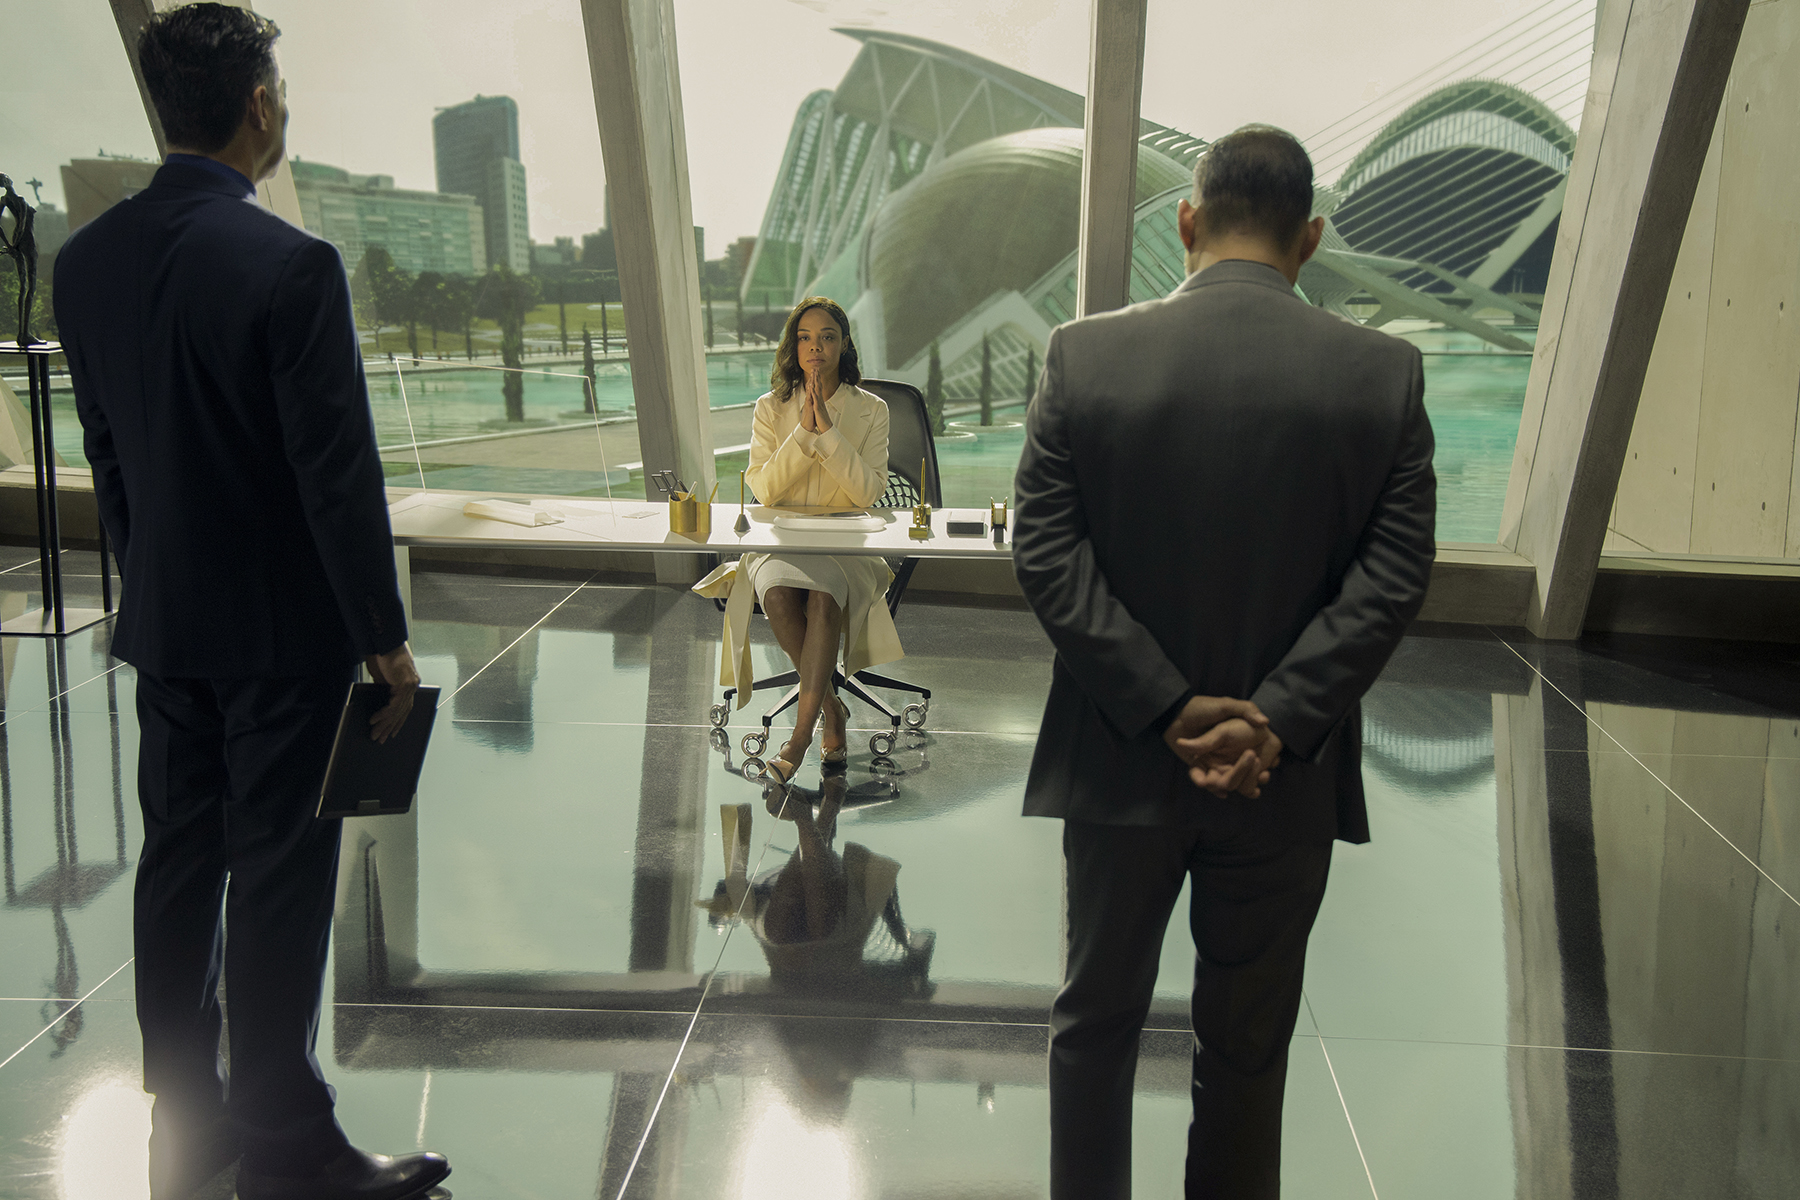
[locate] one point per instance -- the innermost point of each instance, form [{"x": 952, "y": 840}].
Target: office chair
[{"x": 910, "y": 446}]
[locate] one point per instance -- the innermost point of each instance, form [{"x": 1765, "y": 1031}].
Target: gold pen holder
[
  {"x": 997, "y": 514},
  {"x": 689, "y": 514}
]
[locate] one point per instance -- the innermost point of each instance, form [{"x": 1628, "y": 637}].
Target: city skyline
[{"x": 365, "y": 103}]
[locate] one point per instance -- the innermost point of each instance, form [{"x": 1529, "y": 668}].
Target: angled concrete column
[
  {"x": 637, "y": 95},
  {"x": 1109, "y": 160},
  {"x": 1660, "y": 68},
  {"x": 277, "y": 194}
]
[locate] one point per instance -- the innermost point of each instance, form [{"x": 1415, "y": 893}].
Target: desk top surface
[{"x": 437, "y": 519}]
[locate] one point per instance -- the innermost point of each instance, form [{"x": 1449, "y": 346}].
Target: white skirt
[{"x": 810, "y": 572}]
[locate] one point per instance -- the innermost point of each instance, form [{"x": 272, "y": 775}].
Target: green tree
[
  {"x": 987, "y": 381},
  {"x": 562, "y": 313},
  {"x": 456, "y": 310},
  {"x": 504, "y": 298},
  {"x": 41, "y": 322},
  {"x": 389, "y": 290},
  {"x": 587, "y": 369},
  {"x": 934, "y": 391},
  {"x": 1031, "y": 372},
  {"x": 427, "y": 306},
  {"x": 739, "y": 300}
]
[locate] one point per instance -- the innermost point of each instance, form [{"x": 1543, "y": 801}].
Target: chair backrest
[{"x": 909, "y": 445}]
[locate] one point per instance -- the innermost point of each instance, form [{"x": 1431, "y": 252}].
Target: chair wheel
[
  {"x": 718, "y": 715},
  {"x": 882, "y": 767},
  {"x": 755, "y": 743},
  {"x": 913, "y": 715},
  {"x": 752, "y": 769},
  {"x": 881, "y": 745},
  {"x": 718, "y": 739}
]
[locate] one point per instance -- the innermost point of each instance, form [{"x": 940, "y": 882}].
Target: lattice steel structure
[{"x": 936, "y": 195}]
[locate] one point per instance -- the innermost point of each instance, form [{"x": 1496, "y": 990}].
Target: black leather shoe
[{"x": 352, "y": 1175}]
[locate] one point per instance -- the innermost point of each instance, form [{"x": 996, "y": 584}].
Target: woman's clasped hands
[{"x": 815, "y": 417}]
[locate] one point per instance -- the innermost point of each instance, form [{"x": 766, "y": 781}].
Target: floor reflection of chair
[
  {"x": 912, "y": 475},
  {"x": 68, "y": 883}
]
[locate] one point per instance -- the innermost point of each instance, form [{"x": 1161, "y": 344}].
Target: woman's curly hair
[{"x": 786, "y": 375}]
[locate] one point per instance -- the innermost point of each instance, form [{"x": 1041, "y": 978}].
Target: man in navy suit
[{"x": 220, "y": 385}]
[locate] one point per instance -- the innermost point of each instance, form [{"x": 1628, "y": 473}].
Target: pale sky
[{"x": 365, "y": 75}]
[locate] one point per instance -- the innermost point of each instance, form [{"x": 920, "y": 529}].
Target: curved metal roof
[{"x": 1482, "y": 113}]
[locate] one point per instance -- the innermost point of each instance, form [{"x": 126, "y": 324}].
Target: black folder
[{"x": 366, "y": 778}]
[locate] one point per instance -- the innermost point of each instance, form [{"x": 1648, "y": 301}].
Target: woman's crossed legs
[{"x": 809, "y": 625}]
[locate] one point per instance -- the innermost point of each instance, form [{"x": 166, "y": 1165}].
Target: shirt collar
[{"x": 229, "y": 174}]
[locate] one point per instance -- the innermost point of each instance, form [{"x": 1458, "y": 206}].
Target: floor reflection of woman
[{"x": 819, "y": 441}]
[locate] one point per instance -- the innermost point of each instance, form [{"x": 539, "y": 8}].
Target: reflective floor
[{"x": 594, "y": 964}]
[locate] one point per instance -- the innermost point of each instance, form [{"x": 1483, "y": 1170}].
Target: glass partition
[
  {"x": 1440, "y": 147},
  {"x": 921, "y": 165}
]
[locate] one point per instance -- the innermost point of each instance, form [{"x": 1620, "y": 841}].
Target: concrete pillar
[
  {"x": 637, "y": 96},
  {"x": 1660, "y": 68},
  {"x": 1109, "y": 160}
]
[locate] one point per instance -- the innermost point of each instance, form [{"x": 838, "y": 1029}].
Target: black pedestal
[{"x": 54, "y": 619}]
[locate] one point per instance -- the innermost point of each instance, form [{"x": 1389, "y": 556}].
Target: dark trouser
[
  {"x": 228, "y": 778},
  {"x": 1254, "y": 900}
]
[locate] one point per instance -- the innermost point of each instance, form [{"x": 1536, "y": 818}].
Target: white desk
[{"x": 436, "y": 519}]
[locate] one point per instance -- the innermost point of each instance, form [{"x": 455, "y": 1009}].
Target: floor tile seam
[
  {"x": 693, "y": 1020},
  {"x": 34, "y": 562},
  {"x": 67, "y": 1000},
  {"x": 744, "y": 728},
  {"x": 1343, "y": 1103},
  {"x": 510, "y": 645},
  {"x": 1343, "y": 1037},
  {"x": 1685, "y": 754},
  {"x": 45, "y": 705},
  {"x": 1754, "y": 865},
  {"x": 65, "y": 1015},
  {"x": 511, "y": 1008}
]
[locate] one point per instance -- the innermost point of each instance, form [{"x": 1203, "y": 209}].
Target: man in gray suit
[{"x": 1225, "y": 523}]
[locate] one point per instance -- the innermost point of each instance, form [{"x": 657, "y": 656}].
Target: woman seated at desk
[{"x": 818, "y": 441}]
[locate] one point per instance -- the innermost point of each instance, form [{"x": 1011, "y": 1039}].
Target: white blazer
[{"x": 843, "y": 467}]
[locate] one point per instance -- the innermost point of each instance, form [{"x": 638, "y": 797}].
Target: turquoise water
[
  {"x": 1474, "y": 400},
  {"x": 467, "y": 402}
]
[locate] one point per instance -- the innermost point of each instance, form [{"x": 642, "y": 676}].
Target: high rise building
[
  {"x": 93, "y": 185},
  {"x": 477, "y": 150},
  {"x": 424, "y": 231}
]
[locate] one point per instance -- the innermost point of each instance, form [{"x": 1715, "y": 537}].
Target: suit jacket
[
  {"x": 220, "y": 386},
  {"x": 1231, "y": 491}
]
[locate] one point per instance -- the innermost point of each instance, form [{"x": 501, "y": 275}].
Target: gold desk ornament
[
  {"x": 997, "y": 514},
  {"x": 743, "y": 522},
  {"x": 921, "y": 526}
]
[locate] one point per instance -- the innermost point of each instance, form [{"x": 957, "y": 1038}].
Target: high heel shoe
[
  {"x": 840, "y": 753},
  {"x": 784, "y": 774}
]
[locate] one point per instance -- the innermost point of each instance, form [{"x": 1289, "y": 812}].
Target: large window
[
  {"x": 1441, "y": 136},
  {"x": 72, "y": 149},
  {"x": 457, "y": 166},
  {"x": 921, "y": 165}
]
